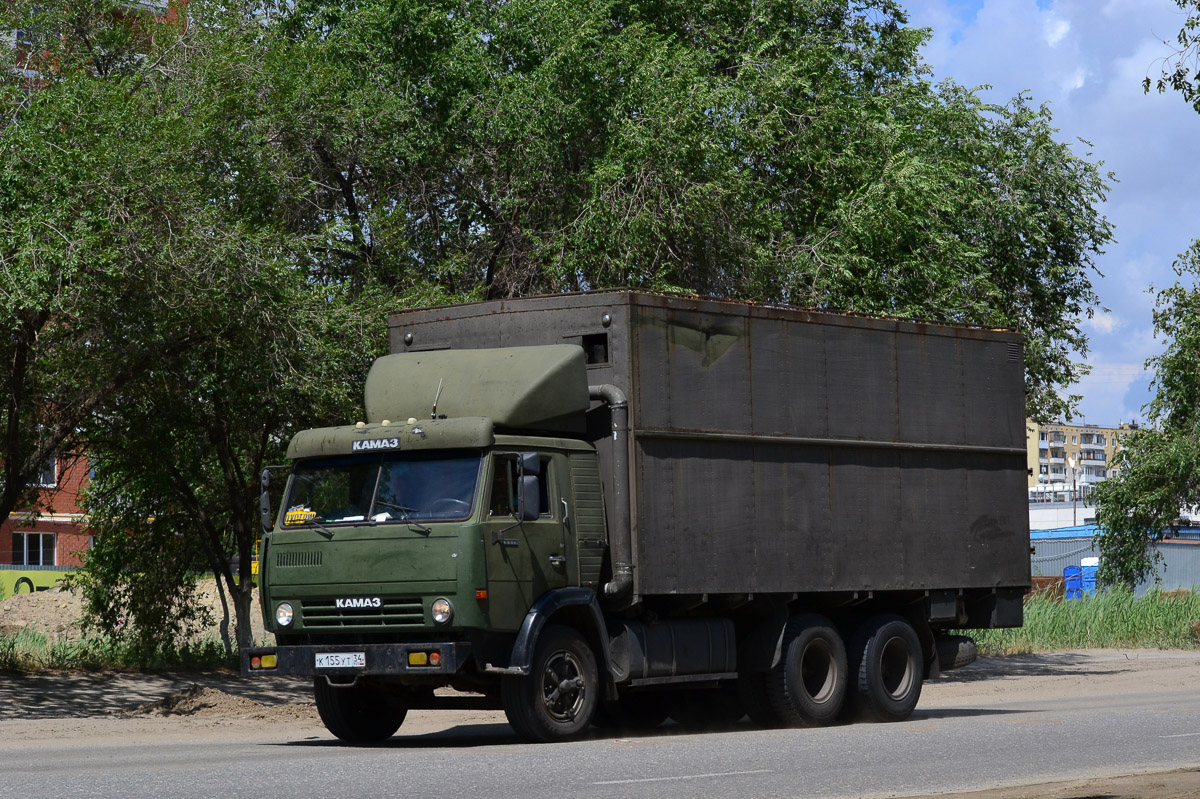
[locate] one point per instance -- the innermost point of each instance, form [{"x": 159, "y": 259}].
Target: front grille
[{"x": 324, "y": 614}]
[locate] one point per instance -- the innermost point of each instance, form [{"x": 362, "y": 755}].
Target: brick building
[{"x": 56, "y": 535}]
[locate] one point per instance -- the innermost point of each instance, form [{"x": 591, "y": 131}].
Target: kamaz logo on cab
[
  {"x": 375, "y": 443},
  {"x": 359, "y": 602}
]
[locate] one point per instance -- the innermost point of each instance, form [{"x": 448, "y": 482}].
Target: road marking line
[
  {"x": 1181, "y": 735},
  {"x": 685, "y": 777}
]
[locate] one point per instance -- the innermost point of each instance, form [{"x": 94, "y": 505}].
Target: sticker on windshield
[
  {"x": 375, "y": 443},
  {"x": 299, "y": 514}
]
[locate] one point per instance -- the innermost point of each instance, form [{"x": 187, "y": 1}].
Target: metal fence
[{"x": 1179, "y": 567}]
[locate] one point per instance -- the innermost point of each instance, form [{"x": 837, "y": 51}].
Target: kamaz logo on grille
[{"x": 359, "y": 602}]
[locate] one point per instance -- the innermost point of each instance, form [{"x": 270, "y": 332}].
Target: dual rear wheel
[{"x": 822, "y": 678}]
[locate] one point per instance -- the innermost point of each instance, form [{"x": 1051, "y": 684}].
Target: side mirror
[
  {"x": 528, "y": 495},
  {"x": 528, "y": 463},
  {"x": 264, "y": 500}
]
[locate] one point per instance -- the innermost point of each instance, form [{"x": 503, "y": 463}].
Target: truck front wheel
[
  {"x": 359, "y": 713},
  {"x": 557, "y": 699},
  {"x": 887, "y": 662}
]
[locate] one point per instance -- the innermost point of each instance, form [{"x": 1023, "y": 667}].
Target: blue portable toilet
[
  {"x": 1073, "y": 582},
  {"x": 1089, "y": 567}
]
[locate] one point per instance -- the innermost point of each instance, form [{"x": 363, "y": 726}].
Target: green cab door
[{"x": 526, "y": 559}]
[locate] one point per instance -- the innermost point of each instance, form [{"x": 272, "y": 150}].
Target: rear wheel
[
  {"x": 557, "y": 699},
  {"x": 360, "y": 713},
  {"x": 888, "y": 668},
  {"x": 809, "y": 687}
]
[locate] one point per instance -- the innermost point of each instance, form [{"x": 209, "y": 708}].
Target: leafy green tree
[
  {"x": 68, "y": 262},
  {"x": 248, "y": 193},
  {"x": 1159, "y": 466},
  {"x": 777, "y": 151},
  {"x": 1181, "y": 70}
]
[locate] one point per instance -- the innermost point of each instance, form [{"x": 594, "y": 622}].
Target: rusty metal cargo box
[{"x": 783, "y": 450}]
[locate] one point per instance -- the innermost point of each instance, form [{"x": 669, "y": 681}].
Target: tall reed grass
[{"x": 1112, "y": 618}]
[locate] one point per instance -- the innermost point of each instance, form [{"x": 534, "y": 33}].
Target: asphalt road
[{"x": 963, "y": 737}]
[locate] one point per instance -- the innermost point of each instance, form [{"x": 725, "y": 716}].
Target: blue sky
[{"x": 1087, "y": 59}]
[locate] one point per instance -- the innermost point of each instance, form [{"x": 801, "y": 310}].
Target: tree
[
  {"x": 1159, "y": 466},
  {"x": 1181, "y": 70},
  {"x": 269, "y": 351},
  {"x": 776, "y": 151},
  {"x": 317, "y": 161},
  {"x": 68, "y": 263}
]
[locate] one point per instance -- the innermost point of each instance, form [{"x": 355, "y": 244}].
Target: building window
[
  {"x": 48, "y": 476},
  {"x": 33, "y": 549}
]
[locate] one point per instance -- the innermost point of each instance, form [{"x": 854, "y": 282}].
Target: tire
[
  {"x": 956, "y": 651},
  {"x": 640, "y": 711},
  {"x": 752, "y": 690},
  {"x": 557, "y": 699},
  {"x": 887, "y": 663},
  {"x": 362, "y": 713},
  {"x": 20, "y": 582},
  {"x": 808, "y": 688}
]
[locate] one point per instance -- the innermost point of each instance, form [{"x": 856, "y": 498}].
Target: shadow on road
[
  {"x": 90, "y": 695},
  {"x": 461, "y": 736},
  {"x": 1039, "y": 665}
]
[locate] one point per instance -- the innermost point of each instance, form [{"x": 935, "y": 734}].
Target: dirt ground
[
  {"x": 57, "y": 613},
  {"x": 90, "y": 709}
]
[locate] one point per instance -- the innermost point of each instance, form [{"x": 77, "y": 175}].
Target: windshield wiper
[
  {"x": 322, "y": 529},
  {"x": 405, "y": 510}
]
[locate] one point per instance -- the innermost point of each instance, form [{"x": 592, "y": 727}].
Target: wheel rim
[
  {"x": 563, "y": 691},
  {"x": 818, "y": 672},
  {"x": 898, "y": 669}
]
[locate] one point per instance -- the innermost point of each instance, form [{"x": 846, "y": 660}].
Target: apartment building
[
  {"x": 56, "y": 533},
  {"x": 1072, "y": 454}
]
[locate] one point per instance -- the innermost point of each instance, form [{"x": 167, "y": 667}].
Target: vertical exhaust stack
[{"x": 620, "y": 530}]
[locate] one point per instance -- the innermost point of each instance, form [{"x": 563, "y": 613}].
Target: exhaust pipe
[{"x": 620, "y": 538}]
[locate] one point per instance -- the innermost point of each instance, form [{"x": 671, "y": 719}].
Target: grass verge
[
  {"x": 32, "y": 651},
  {"x": 1111, "y": 618}
]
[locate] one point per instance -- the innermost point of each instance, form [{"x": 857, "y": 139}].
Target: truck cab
[{"x": 410, "y": 555}]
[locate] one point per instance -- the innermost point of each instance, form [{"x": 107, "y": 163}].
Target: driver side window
[{"x": 503, "y": 500}]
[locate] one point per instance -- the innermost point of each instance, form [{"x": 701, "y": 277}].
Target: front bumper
[{"x": 380, "y": 659}]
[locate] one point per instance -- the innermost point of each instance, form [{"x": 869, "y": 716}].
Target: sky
[{"x": 1086, "y": 59}]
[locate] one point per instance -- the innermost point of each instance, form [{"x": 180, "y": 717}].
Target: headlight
[
  {"x": 284, "y": 614},
  {"x": 441, "y": 610}
]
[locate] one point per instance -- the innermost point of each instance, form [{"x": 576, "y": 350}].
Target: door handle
[{"x": 557, "y": 560}]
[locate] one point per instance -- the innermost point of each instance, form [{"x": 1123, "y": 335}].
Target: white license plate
[{"x": 341, "y": 660}]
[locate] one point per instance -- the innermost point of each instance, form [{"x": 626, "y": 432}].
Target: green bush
[{"x": 31, "y": 651}]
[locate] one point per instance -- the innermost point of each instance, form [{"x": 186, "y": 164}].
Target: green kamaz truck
[{"x": 616, "y": 507}]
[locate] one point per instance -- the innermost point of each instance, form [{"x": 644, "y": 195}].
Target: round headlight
[
  {"x": 441, "y": 610},
  {"x": 284, "y": 614}
]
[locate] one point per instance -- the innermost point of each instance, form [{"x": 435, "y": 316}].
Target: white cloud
[
  {"x": 1072, "y": 81},
  {"x": 1056, "y": 30},
  {"x": 1104, "y": 322},
  {"x": 1088, "y": 60}
]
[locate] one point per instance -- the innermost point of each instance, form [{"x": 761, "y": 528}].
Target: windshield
[{"x": 380, "y": 488}]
